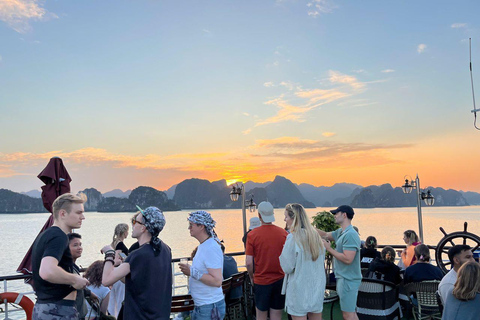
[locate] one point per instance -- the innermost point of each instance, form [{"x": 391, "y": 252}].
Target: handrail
[{"x": 5, "y": 279}]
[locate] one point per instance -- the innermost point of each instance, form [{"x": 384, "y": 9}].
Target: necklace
[{"x": 205, "y": 240}]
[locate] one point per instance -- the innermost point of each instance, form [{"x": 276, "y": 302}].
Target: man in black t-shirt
[
  {"x": 54, "y": 279},
  {"x": 147, "y": 270}
]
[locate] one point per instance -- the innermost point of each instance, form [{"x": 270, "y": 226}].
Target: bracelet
[
  {"x": 110, "y": 254},
  {"x": 108, "y": 260},
  {"x": 195, "y": 274}
]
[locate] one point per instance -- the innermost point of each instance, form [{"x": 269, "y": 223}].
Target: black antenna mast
[{"x": 474, "y": 111}]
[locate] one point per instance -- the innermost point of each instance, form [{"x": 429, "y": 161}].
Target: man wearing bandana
[
  {"x": 205, "y": 273},
  {"x": 147, "y": 270}
]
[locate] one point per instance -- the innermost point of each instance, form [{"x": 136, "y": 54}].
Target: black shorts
[{"x": 269, "y": 296}]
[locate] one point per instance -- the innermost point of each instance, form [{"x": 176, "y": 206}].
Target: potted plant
[{"x": 325, "y": 221}]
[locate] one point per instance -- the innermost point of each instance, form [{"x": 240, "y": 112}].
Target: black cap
[{"x": 344, "y": 208}]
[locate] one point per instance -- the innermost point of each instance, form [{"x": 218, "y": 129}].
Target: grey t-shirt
[
  {"x": 455, "y": 309},
  {"x": 347, "y": 240}
]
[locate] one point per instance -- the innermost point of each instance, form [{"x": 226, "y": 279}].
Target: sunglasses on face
[{"x": 135, "y": 221}]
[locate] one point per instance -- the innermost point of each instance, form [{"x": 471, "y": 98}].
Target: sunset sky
[{"x": 133, "y": 93}]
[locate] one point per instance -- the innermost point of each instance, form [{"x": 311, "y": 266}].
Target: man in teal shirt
[{"x": 347, "y": 260}]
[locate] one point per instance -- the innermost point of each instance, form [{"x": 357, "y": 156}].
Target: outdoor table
[{"x": 330, "y": 297}]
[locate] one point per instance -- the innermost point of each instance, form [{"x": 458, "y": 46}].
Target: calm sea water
[{"x": 18, "y": 231}]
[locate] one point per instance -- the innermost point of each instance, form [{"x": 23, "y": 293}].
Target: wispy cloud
[
  {"x": 308, "y": 154},
  {"x": 311, "y": 99},
  {"x": 289, "y": 85},
  {"x": 294, "y": 104},
  {"x": 96, "y": 156},
  {"x": 93, "y": 166},
  {"x": 337, "y": 77},
  {"x": 318, "y": 7},
  {"x": 388, "y": 70},
  {"x": 268, "y": 84},
  {"x": 359, "y": 71},
  {"x": 421, "y": 47},
  {"x": 18, "y": 14},
  {"x": 458, "y": 25},
  {"x": 328, "y": 134}
]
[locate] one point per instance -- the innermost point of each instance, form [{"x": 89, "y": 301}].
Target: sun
[{"x": 232, "y": 181}]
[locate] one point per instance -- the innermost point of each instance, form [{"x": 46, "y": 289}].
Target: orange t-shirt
[{"x": 265, "y": 244}]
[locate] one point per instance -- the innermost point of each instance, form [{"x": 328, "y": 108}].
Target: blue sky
[{"x": 153, "y": 92}]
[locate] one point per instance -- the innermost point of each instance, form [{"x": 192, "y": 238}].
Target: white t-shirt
[
  {"x": 447, "y": 284},
  {"x": 117, "y": 295},
  {"x": 101, "y": 292},
  {"x": 209, "y": 255}
]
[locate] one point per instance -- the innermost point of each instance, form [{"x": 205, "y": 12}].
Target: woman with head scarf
[
  {"x": 205, "y": 273},
  {"x": 302, "y": 260}
]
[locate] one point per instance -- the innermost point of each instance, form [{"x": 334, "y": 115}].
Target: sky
[{"x": 149, "y": 93}]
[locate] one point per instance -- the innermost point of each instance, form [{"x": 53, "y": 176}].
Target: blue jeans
[{"x": 205, "y": 312}]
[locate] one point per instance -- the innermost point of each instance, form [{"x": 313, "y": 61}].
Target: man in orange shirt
[{"x": 264, "y": 246}]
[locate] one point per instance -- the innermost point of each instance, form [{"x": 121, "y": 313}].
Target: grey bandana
[
  {"x": 204, "y": 218},
  {"x": 154, "y": 221}
]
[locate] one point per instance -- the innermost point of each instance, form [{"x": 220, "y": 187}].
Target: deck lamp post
[
  {"x": 252, "y": 206},
  {"x": 421, "y": 195}
]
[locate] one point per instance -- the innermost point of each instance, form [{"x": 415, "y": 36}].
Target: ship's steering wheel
[{"x": 451, "y": 239}]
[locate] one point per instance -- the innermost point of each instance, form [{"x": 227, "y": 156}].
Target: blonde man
[{"x": 54, "y": 278}]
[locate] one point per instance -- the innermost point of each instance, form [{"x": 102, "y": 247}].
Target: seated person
[
  {"x": 422, "y": 270},
  {"x": 94, "y": 276},
  {"x": 369, "y": 252},
  {"x": 463, "y": 301},
  {"x": 384, "y": 268},
  {"x": 230, "y": 268}
]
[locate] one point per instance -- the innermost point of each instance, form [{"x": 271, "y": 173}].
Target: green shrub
[{"x": 325, "y": 221}]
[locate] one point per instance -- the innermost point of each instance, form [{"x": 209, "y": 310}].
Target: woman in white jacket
[{"x": 302, "y": 260}]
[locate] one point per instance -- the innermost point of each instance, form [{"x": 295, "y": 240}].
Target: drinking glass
[{"x": 185, "y": 261}]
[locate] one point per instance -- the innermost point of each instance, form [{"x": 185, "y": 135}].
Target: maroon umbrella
[{"x": 57, "y": 182}]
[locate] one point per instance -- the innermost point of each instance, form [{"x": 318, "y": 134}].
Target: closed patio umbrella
[{"x": 57, "y": 182}]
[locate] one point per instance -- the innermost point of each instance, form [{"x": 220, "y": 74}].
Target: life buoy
[{"x": 18, "y": 298}]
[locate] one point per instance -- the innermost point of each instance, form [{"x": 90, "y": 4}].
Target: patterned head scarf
[
  {"x": 154, "y": 221},
  {"x": 204, "y": 218}
]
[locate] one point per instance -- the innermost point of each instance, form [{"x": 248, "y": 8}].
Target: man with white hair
[
  {"x": 147, "y": 270},
  {"x": 264, "y": 247}
]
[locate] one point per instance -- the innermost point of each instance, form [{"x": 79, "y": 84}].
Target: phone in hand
[{"x": 123, "y": 255}]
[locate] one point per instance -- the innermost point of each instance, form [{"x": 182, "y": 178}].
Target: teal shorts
[{"x": 347, "y": 291}]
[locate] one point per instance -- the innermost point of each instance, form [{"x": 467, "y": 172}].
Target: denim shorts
[
  {"x": 347, "y": 291},
  {"x": 55, "y": 311},
  {"x": 205, "y": 312}
]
